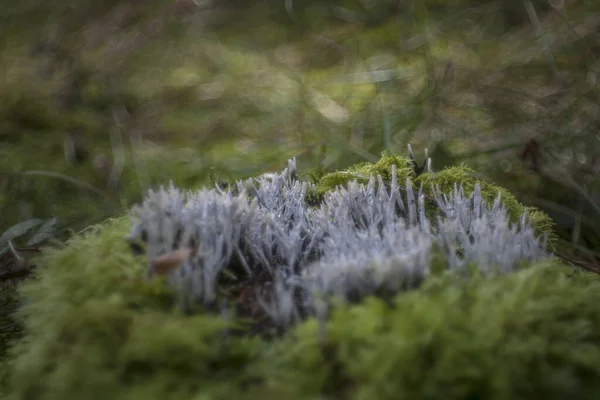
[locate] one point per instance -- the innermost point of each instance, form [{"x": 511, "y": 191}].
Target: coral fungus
[{"x": 374, "y": 237}]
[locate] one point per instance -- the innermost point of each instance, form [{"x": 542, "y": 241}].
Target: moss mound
[
  {"x": 96, "y": 327},
  {"x": 518, "y": 336}
]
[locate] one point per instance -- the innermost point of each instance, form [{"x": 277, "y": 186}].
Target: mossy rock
[{"x": 96, "y": 327}]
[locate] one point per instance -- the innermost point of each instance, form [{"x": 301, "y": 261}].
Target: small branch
[{"x": 589, "y": 266}]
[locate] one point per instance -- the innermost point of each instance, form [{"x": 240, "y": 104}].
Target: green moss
[
  {"x": 529, "y": 334},
  {"x": 447, "y": 178},
  {"x": 362, "y": 172},
  {"x": 96, "y": 327}
]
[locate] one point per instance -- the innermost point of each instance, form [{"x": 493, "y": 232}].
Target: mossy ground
[{"x": 95, "y": 327}]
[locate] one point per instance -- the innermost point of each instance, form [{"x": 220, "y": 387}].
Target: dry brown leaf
[{"x": 166, "y": 263}]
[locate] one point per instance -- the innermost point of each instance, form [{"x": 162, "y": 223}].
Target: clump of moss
[
  {"x": 530, "y": 334},
  {"x": 97, "y": 327},
  {"x": 363, "y": 172},
  {"x": 447, "y": 179}
]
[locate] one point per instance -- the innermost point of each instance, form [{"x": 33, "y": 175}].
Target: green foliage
[
  {"x": 472, "y": 77},
  {"x": 91, "y": 309},
  {"x": 96, "y": 328},
  {"x": 45, "y": 231},
  {"x": 530, "y": 334},
  {"x": 94, "y": 324}
]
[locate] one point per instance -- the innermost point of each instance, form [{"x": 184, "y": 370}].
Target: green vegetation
[
  {"x": 445, "y": 180},
  {"x": 96, "y": 326},
  {"x": 102, "y": 100}
]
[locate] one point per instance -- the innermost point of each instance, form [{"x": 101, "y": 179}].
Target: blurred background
[{"x": 101, "y": 100}]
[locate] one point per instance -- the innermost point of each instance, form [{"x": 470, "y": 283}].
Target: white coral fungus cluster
[{"x": 362, "y": 239}]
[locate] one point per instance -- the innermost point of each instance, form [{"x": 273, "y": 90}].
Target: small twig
[{"x": 589, "y": 266}]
